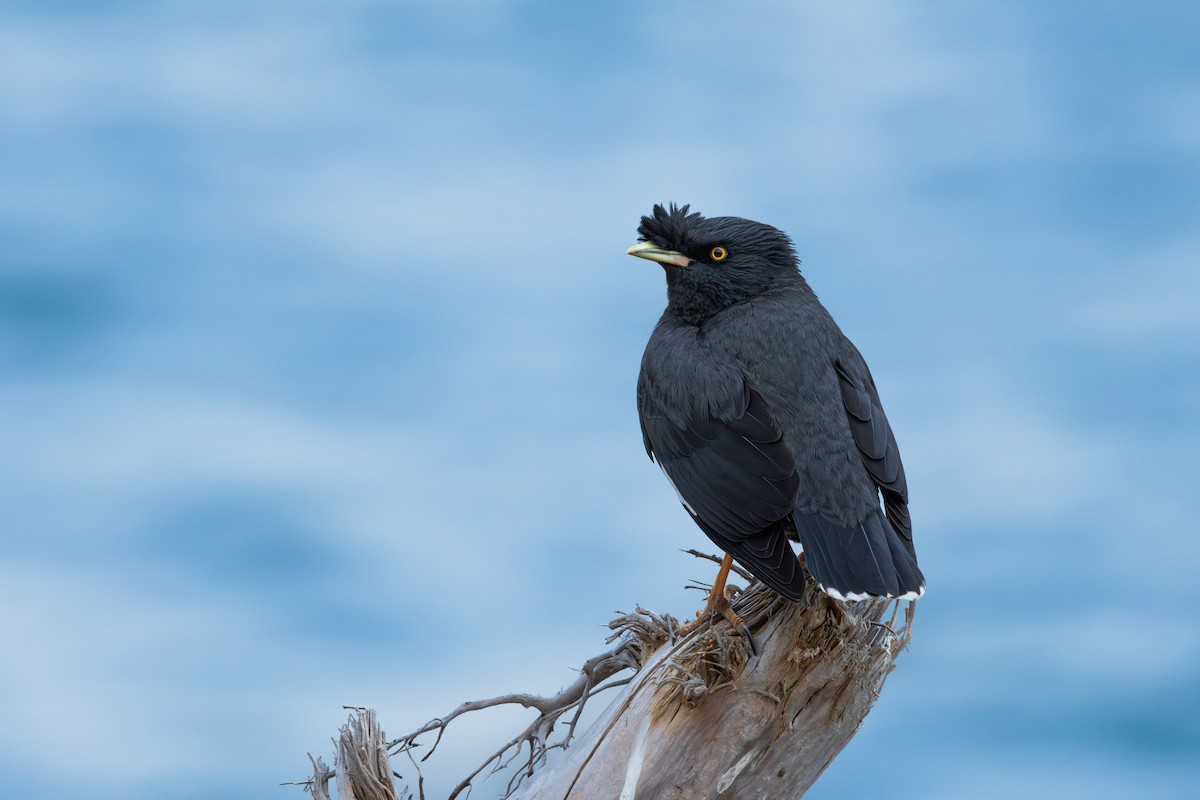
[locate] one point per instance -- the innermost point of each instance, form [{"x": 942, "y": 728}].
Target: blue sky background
[{"x": 318, "y": 351}]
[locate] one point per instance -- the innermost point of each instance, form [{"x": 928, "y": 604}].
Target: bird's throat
[{"x": 695, "y": 294}]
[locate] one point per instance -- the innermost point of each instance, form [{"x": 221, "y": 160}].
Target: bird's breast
[{"x": 684, "y": 378}]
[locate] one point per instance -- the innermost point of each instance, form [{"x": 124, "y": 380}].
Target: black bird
[{"x": 765, "y": 418}]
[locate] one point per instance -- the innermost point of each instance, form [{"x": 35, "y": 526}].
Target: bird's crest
[{"x": 667, "y": 227}]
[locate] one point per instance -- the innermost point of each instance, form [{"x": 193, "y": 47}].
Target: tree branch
[{"x": 638, "y": 633}]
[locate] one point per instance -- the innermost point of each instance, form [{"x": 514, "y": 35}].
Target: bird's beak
[{"x": 655, "y": 253}]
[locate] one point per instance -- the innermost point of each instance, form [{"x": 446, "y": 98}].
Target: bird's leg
[
  {"x": 718, "y": 600},
  {"x": 718, "y": 603}
]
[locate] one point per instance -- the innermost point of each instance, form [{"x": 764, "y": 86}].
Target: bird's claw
[
  {"x": 719, "y": 604},
  {"x": 739, "y": 624}
]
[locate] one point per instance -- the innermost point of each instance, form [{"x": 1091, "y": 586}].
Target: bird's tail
[{"x": 859, "y": 561}]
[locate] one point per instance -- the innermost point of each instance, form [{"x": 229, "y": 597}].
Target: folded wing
[{"x": 737, "y": 479}]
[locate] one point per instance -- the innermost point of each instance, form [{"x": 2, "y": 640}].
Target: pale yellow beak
[{"x": 655, "y": 253}]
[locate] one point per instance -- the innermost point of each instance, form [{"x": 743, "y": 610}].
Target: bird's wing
[
  {"x": 737, "y": 479},
  {"x": 877, "y": 446}
]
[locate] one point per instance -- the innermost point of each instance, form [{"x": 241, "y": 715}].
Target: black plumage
[{"x": 764, "y": 416}]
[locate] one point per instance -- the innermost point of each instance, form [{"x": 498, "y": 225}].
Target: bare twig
[
  {"x": 638, "y": 633},
  {"x": 318, "y": 784},
  {"x": 717, "y": 560}
]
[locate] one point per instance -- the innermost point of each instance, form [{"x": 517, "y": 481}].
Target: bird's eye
[{"x": 718, "y": 254}]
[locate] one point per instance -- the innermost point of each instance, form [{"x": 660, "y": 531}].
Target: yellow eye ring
[{"x": 718, "y": 254}]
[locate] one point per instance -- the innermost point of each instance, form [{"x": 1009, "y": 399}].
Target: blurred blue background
[{"x": 318, "y": 351}]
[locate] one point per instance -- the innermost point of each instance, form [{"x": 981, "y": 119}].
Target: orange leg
[
  {"x": 718, "y": 602},
  {"x": 722, "y": 576}
]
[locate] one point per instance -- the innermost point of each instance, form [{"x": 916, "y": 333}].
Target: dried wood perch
[
  {"x": 363, "y": 771},
  {"x": 700, "y": 717}
]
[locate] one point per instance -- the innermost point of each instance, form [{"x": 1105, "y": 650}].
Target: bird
[{"x": 766, "y": 420}]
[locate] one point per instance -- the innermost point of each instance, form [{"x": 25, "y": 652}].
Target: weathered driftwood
[
  {"x": 363, "y": 771},
  {"x": 700, "y": 720},
  {"x": 701, "y": 716}
]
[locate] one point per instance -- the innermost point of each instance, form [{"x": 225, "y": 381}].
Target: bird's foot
[{"x": 719, "y": 604}]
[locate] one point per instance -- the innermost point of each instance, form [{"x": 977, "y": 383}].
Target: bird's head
[{"x": 713, "y": 262}]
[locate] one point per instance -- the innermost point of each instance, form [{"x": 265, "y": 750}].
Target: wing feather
[
  {"x": 880, "y": 454},
  {"x": 738, "y": 480}
]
